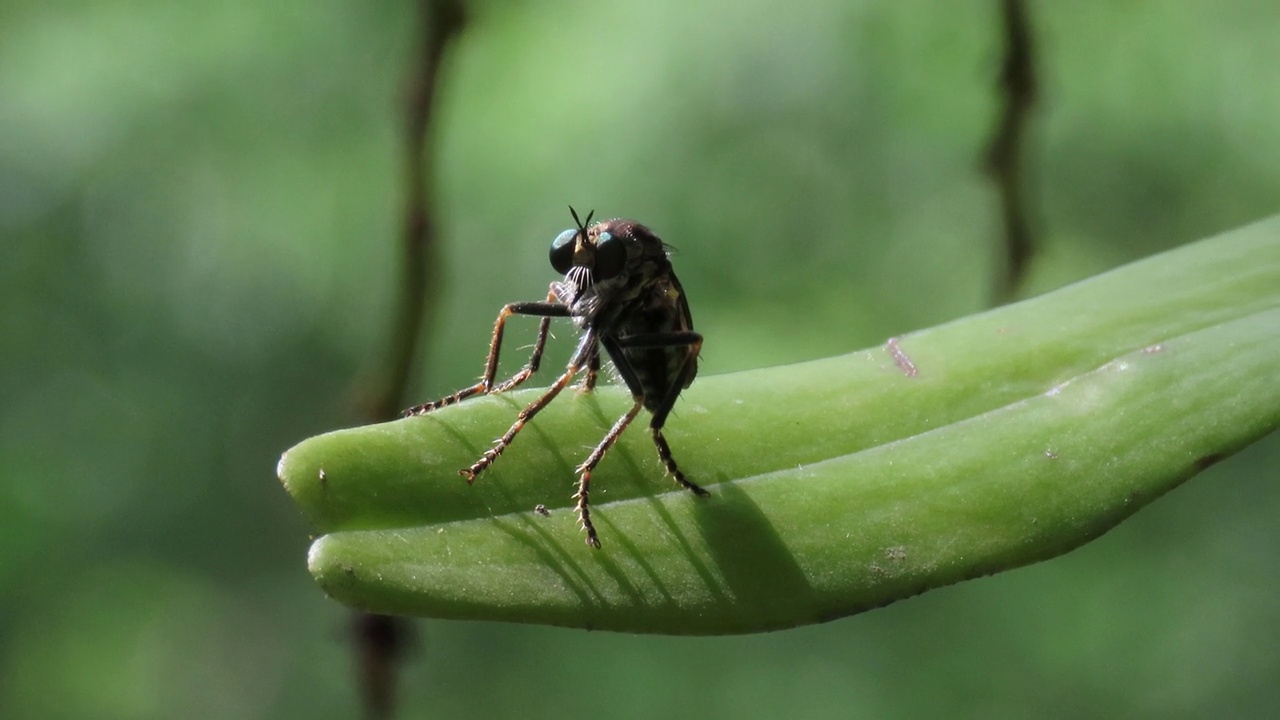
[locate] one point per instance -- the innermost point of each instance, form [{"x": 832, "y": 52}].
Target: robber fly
[{"x": 620, "y": 290}]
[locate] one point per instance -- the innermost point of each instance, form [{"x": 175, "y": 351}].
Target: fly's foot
[
  {"x": 584, "y": 511},
  {"x": 422, "y": 409}
]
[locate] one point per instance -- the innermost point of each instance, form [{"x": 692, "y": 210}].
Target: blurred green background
[{"x": 198, "y": 223}]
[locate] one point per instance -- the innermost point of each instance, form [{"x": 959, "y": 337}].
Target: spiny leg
[
  {"x": 533, "y": 408},
  {"x": 546, "y": 310},
  {"x": 692, "y": 341},
  {"x": 669, "y": 462},
  {"x": 584, "y": 470},
  {"x": 593, "y": 369}
]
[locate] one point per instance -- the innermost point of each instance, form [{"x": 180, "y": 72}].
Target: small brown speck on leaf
[{"x": 900, "y": 358}]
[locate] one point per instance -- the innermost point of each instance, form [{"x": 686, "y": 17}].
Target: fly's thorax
[{"x": 617, "y": 279}]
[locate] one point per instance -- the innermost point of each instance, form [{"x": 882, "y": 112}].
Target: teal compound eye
[{"x": 562, "y": 251}]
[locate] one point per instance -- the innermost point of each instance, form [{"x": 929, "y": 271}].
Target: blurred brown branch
[
  {"x": 440, "y": 22},
  {"x": 381, "y": 640},
  {"x": 1018, "y": 87}
]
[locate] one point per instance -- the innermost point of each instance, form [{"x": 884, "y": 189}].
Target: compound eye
[
  {"x": 611, "y": 256},
  {"x": 562, "y": 251}
]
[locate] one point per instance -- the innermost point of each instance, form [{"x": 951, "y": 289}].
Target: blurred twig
[
  {"x": 1004, "y": 154},
  {"x": 440, "y": 22},
  {"x": 380, "y": 644},
  {"x": 381, "y": 640}
]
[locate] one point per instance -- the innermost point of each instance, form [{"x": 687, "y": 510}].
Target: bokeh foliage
[{"x": 197, "y": 257}]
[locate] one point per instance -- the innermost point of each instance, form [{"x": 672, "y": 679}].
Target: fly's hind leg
[
  {"x": 669, "y": 462},
  {"x": 692, "y": 343}
]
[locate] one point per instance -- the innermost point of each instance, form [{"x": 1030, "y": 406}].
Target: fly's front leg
[{"x": 545, "y": 310}]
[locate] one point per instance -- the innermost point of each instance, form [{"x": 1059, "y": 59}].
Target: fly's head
[{"x": 595, "y": 260}]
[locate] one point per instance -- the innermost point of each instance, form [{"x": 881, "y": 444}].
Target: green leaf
[{"x": 836, "y": 485}]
